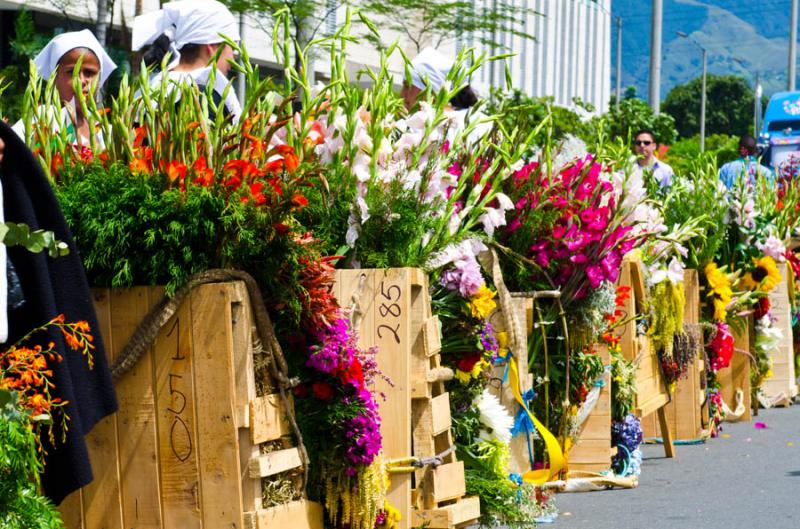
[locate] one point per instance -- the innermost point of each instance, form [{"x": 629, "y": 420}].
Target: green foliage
[
  {"x": 729, "y": 106},
  {"x": 517, "y": 109},
  {"x": 440, "y": 21},
  {"x": 682, "y": 154},
  {"x": 21, "y": 504},
  {"x": 698, "y": 196},
  {"x": 633, "y": 115},
  {"x": 500, "y": 500},
  {"x": 12, "y": 234},
  {"x": 25, "y": 45},
  {"x": 130, "y": 232}
]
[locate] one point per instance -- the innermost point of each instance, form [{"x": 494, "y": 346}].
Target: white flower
[
  {"x": 466, "y": 249},
  {"x": 772, "y": 247},
  {"x": 504, "y": 202},
  {"x": 492, "y": 219},
  {"x": 352, "y": 231},
  {"x": 495, "y": 419},
  {"x": 673, "y": 273}
]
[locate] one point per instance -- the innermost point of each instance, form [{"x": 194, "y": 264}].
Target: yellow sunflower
[
  {"x": 764, "y": 276},
  {"x": 719, "y": 283}
]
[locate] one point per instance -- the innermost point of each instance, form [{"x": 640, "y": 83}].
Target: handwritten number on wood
[
  {"x": 393, "y": 331},
  {"x": 180, "y": 438}
]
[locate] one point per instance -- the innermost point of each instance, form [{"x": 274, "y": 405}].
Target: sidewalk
[{"x": 747, "y": 478}]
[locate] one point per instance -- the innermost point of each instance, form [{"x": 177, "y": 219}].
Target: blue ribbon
[
  {"x": 523, "y": 423},
  {"x": 516, "y": 479},
  {"x": 503, "y": 360}
]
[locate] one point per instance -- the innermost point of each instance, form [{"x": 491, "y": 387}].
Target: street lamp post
[{"x": 703, "y": 94}]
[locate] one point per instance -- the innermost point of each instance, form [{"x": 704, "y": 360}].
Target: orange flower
[
  {"x": 144, "y": 163},
  {"x": 203, "y": 175},
  {"x": 141, "y": 132},
  {"x": 316, "y": 135},
  {"x": 299, "y": 200},
  {"x": 238, "y": 172},
  {"x": 283, "y": 158},
  {"x": 177, "y": 171},
  {"x": 57, "y": 163}
]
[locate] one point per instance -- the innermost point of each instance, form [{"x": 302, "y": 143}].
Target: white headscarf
[
  {"x": 431, "y": 65},
  {"x": 185, "y": 22},
  {"x": 47, "y": 60}
]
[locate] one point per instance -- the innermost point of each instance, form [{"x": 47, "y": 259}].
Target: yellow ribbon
[{"x": 557, "y": 460}]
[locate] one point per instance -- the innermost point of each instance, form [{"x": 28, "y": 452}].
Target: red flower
[
  {"x": 762, "y": 308},
  {"x": 283, "y": 158},
  {"x": 468, "y": 361},
  {"x": 144, "y": 162},
  {"x": 300, "y": 391},
  {"x": 238, "y": 172},
  {"x": 322, "y": 390},
  {"x": 177, "y": 171},
  {"x": 281, "y": 228},
  {"x": 353, "y": 375}
]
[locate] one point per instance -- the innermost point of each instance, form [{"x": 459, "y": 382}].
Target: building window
[{"x": 330, "y": 16}]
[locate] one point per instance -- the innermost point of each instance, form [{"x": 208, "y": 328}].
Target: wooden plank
[
  {"x": 267, "y": 419},
  {"x": 218, "y": 450},
  {"x": 669, "y": 449},
  {"x": 457, "y": 514},
  {"x": 448, "y": 482},
  {"x": 272, "y": 463},
  {"x": 136, "y": 418},
  {"x": 175, "y": 404},
  {"x": 244, "y": 387},
  {"x": 100, "y": 501},
  {"x": 71, "y": 509},
  {"x": 440, "y": 411},
  {"x": 591, "y": 451},
  {"x": 783, "y": 379},
  {"x": 301, "y": 514},
  {"x": 431, "y": 336},
  {"x": 596, "y": 427}
]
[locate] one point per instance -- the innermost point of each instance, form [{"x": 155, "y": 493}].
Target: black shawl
[{"x": 52, "y": 287}]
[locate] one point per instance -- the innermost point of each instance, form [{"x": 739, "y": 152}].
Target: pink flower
[{"x": 595, "y": 275}]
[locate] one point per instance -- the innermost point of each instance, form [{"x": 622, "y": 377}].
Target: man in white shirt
[{"x": 644, "y": 146}]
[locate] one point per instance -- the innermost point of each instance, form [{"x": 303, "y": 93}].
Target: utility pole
[
  {"x": 703, "y": 104},
  {"x": 655, "y": 56},
  {"x": 793, "y": 48},
  {"x": 240, "y": 80},
  {"x": 619, "y": 60}
]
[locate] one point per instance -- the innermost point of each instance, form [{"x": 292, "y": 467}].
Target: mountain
[{"x": 757, "y": 33}]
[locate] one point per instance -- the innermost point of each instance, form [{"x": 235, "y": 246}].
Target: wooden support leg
[{"x": 669, "y": 449}]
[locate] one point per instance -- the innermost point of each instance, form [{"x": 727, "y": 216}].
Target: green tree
[
  {"x": 25, "y": 44},
  {"x": 632, "y": 116},
  {"x": 729, "y": 106},
  {"x": 435, "y": 22}
]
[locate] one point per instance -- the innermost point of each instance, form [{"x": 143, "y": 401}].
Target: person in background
[
  {"x": 644, "y": 147},
  {"x": 430, "y": 68},
  {"x": 747, "y": 166},
  {"x": 189, "y": 30},
  {"x": 61, "y": 55}
]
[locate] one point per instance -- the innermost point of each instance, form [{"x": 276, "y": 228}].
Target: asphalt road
[{"x": 747, "y": 478}]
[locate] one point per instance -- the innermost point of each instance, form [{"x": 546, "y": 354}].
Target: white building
[{"x": 570, "y": 56}]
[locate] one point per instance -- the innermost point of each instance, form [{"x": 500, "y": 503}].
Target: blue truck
[{"x": 780, "y": 135}]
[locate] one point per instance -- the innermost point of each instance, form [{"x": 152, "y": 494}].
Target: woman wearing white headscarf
[
  {"x": 190, "y": 31},
  {"x": 61, "y": 55},
  {"x": 430, "y": 68}
]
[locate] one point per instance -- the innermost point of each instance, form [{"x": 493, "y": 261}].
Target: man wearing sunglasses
[{"x": 644, "y": 146}]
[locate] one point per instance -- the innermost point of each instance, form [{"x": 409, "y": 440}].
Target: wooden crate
[
  {"x": 592, "y": 452},
  {"x": 684, "y": 412},
  {"x": 782, "y": 385},
  {"x": 392, "y": 310},
  {"x": 652, "y": 394},
  {"x": 737, "y": 375},
  {"x": 183, "y": 449}
]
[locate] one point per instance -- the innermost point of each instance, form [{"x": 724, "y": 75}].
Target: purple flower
[{"x": 465, "y": 276}]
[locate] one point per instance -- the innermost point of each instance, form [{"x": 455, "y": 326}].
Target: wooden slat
[
  {"x": 218, "y": 450},
  {"x": 267, "y": 419},
  {"x": 272, "y": 463},
  {"x": 448, "y": 482},
  {"x": 458, "y": 514},
  {"x": 100, "y": 500},
  {"x": 136, "y": 418},
  {"x": 71, "y": 509},
  {"x": 176, "y": 403},
  {"x": 783, "y": 379},
  {"x": 302, "y": 514},
  {"x": 440, "y": 411},
  {"x": 431, "y": 335}
]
